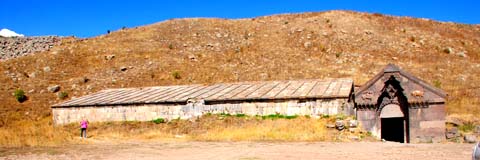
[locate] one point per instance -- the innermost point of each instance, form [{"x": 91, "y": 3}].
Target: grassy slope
[{"x": 299, "y": 46}]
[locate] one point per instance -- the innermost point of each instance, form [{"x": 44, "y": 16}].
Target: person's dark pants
[{"x": 83, "y": 133}]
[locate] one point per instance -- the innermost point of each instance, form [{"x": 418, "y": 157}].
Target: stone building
[
  {"x": 301, "y": 97},
  {"x": 396, "y": 106},
  {"x": 393, "y": 105}
]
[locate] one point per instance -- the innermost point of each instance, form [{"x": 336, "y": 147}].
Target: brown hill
[{"x": 279, "y": 47}]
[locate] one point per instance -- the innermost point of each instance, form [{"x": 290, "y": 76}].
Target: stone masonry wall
[
  {"x": 149, "y": 112},
  {"x": 427, "y": 124}
]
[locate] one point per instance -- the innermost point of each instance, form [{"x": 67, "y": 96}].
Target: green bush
[
  {"x": 158, "y": 120},
  {"x": 277, "y": 116},
  {"x": 225, "y": 114},
  {"x": 338, "y": 54},
  {"x": 20, "y": 95},
  {"x": 325, "y": 116},
  {"x": 290, "y": 117},
  {"x": 467, "y": 127},
  {"x": 62, "y": 95},
  {"x": 340, "y": 116},
  {"x": 170, "y": 46},
  {"x": 240, "y": 115},
  {"x": 437, "y": 83},
  {"x": 176, "y": 75}
]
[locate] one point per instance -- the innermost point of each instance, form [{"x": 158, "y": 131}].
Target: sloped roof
[
  {"x": 267, "y": 90},
  {"x": 393, "y": 68}
]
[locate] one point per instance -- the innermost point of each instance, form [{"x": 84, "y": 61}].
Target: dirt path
[{"x": 243, "y": 150}]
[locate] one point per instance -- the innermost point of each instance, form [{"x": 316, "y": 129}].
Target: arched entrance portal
[{"x": 392, "y": 123}]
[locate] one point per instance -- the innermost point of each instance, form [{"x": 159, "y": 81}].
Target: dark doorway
[{"x": 393, "y": 129}]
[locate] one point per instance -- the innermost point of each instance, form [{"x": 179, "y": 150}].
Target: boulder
[
  {"x": 47, "y": 69},
  {"x": 452, "y": 133},
  {"x": 307, "y": 44},
  {"x": 330, "y": 125},
  {"x": 109, "y": 57},
  {"x": 454, "y": 121},
  {"x": 470, "y": 138},
  {"x": 123, "y": 68},
  {"x": 340, "y": 125},
  {"x": 352, "y": 123},
  {"x": 462, "y": 54},
  {"x": 82, "y": 80},
  {"x": 192, "y": 57},
  {"x": 448, "y": 50},
  {"x": 54, "y": 88}
]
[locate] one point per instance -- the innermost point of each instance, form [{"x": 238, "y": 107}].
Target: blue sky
[{"x": 87, "y": 18}]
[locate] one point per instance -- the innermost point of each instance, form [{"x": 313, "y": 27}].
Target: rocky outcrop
[{"x": 13, "y": 47}]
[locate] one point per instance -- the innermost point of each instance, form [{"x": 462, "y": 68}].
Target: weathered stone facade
[
  {"x": 393, "y": 105},
  {"x": 192, "y": 109},
  {"x": 397, "y": 106}
]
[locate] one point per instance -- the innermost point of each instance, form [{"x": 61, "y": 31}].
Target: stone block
[
  {"x": 352, "y": 123},
  {"x": 470, "y": 138},
  {"x": 432, "y": 124},
  {"x": 452, "y": 133},
  {"x": 340, "y": 125}
]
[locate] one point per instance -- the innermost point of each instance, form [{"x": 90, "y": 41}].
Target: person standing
[{"x": 83, "y": 128}]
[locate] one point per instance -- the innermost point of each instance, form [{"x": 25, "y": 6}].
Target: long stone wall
[{"x": 148, "y": 112}]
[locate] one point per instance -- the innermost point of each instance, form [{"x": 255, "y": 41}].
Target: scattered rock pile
[{"x": 12, "y": 47}]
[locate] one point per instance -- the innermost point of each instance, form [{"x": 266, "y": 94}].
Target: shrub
[
  {"x": 176, "y": 75},
  {"x": 62, "y": 95},
  {"x": 340, "y": 117},
  {"x": 437, "y": 83},
  {"x": 325, "y": 116},
  {"x": 240, "y": 115},
  {"x": 412, "y": 39},
  {"x": 158, "y": 120},
  {"x": 290, "y": 117},
  {"x": 20, "y": 95},
  {"x": 467, "y": 127},
  {"x": 170, "y": 46},
  {"x": 225, "y": 114},
  {"x": 338, "y": 54},
  {"x": 277, "y": 116}
]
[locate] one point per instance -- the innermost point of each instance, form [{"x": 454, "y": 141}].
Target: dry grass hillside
[{"x": 292, "y": 46}]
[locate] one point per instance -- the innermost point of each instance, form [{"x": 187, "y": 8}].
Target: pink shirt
[{"x": 84, "y": 124}]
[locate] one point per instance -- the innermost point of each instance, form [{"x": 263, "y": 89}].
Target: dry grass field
[
  {"x": 207, "y": 128},
  {"x": 280, "y": 47}
]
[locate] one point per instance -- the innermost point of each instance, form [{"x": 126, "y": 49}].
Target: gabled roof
[
  {"x": 270, "y": 90},
  {"x": 390, "y": 68}
]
